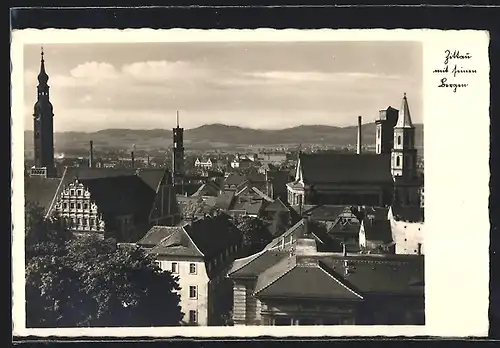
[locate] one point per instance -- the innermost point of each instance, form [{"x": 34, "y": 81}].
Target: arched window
[{"x": 399, "y": 139}]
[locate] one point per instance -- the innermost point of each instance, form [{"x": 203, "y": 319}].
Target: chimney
[
  {"x": 359, "y": 136},
  {"x": 91, "y": 155}
]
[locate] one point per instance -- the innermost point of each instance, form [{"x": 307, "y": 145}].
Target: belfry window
[
  {"x": 399, "y": 139},
  {"x": 398, "y": 161}
]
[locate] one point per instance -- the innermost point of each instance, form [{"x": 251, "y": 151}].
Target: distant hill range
[{"x": 216, "y": 136}]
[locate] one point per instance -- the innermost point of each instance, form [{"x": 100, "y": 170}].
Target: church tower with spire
[
  {"x": 404, "y": 158},
  {"x": 43, "y": 118},
  {"x": 178, "y": 154}
]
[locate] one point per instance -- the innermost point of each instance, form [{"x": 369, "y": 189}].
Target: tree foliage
[
  {"x": 86, "y": 281},
  {"x": 255, "y": 233},
  {"x": 280, "y": 222},
  {"x": 197, "y": 207}
]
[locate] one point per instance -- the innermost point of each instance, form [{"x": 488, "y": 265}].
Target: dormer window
[{"x": 79, "y": 193}]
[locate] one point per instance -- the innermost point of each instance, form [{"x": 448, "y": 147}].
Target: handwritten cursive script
[
  {"x": 455, "y": 55},
  {"x": 453, "y": 71}
]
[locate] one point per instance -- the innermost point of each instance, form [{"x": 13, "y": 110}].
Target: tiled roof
[
  {"x": 213, "y": 234},
  {"x": 324, "y": 212},
  {"x": 345, "y": 168},
  {"x": 408, "y": 214},
  {"x": 177, "y": 243},
  {"x": 387, "y": 274},
  {"x": 255, "y": 177},
  {"x": 121, "y": 195},
  {"x": 224, "y": 200},
  {"x": 378, "y": 213},
  {"x": 378, "y": 230},
  {"x": 288, "y": 278},
  {"x": 234, "y": 179},
  {"x": 298, "y": 230},
  {"x": 251, "y": 207},
  {"x": 208, "y": 189},
  {"x": 277, "y": 206},
  {"x": 115, "y": 191},
  {"x": 252, "y": 266},
  {"x": 324, "y": 274},
  {"x": 156, "y": 234},
  {"x": 41, "y": 191}
]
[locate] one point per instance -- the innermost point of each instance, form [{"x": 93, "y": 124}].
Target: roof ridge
[
  {"x": 318, "y": 265},
  {"x": 281, "y": 276},
  {"x": 56, "y": 194},
  {"x": 250, "y": 259}
]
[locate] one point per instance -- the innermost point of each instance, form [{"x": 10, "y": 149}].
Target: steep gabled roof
[
  {"x": 252, "y": 266},
  {"x": 41, "y": 191},
  {"x": 156, "y": 234},
  {"x": 378, "y": 230},
  {"x": 324, "y": 212},
  {"x": 277, "y": 206},
  {"x": 115, "y": 191},
  {"x": 214, "y": 234},
  {"x": 178, "y": 243},
  {"x": 224, "y": 200},
  {"x": 327, "y": 168}
]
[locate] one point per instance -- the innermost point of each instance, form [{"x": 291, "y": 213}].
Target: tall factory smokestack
[
  {"x": 358, "y": 151},
  {"x": 91, "y": 155},
  {"x": 132, "y": 157}
]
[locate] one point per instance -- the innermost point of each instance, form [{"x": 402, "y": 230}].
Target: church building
[{"x": 388, "y": 176}]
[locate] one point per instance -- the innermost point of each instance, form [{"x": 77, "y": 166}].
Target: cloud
[
  {"x": 303, "y": 76},
  {"x": 162, "y": 71},
  {"x": 88, "y": 74}
]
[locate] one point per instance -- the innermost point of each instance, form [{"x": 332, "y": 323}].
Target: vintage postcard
[{"x": 222, "y": 183}]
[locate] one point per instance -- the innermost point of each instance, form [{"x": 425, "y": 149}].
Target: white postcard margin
[{"x": 456, "y": 137}]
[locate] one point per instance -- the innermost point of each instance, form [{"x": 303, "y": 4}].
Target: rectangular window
[
  {"x": 85, "y": 205},
  {"x": 79, "y": 193},
  {"x": 175, "y": 267},
  {"x": 72, "y": 205},
  {"x": 193, "y": 291},
  {"x": 86, "y": 221},
  {"x": 65, "y": 205},
  {"x": 193, "y": 317},
  {"x": 192, "y": 268},
  {"x": 72, "y": 192},
  {"x": 92, "y": 222},
  {"x": 78, "y": 205}
]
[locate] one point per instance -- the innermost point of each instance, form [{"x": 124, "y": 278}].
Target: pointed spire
[
  {"x": 43, "y": 78},
  {"x": 177, "y": 118},
  {"x": 404, "y": 119}
]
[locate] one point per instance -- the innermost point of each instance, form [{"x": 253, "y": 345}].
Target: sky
[{"x": 266, "y": 85}]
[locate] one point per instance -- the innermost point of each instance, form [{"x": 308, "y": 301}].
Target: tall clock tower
[
  {"x": 43, "y": 119},
  {"x": 178, "y": 155}
]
